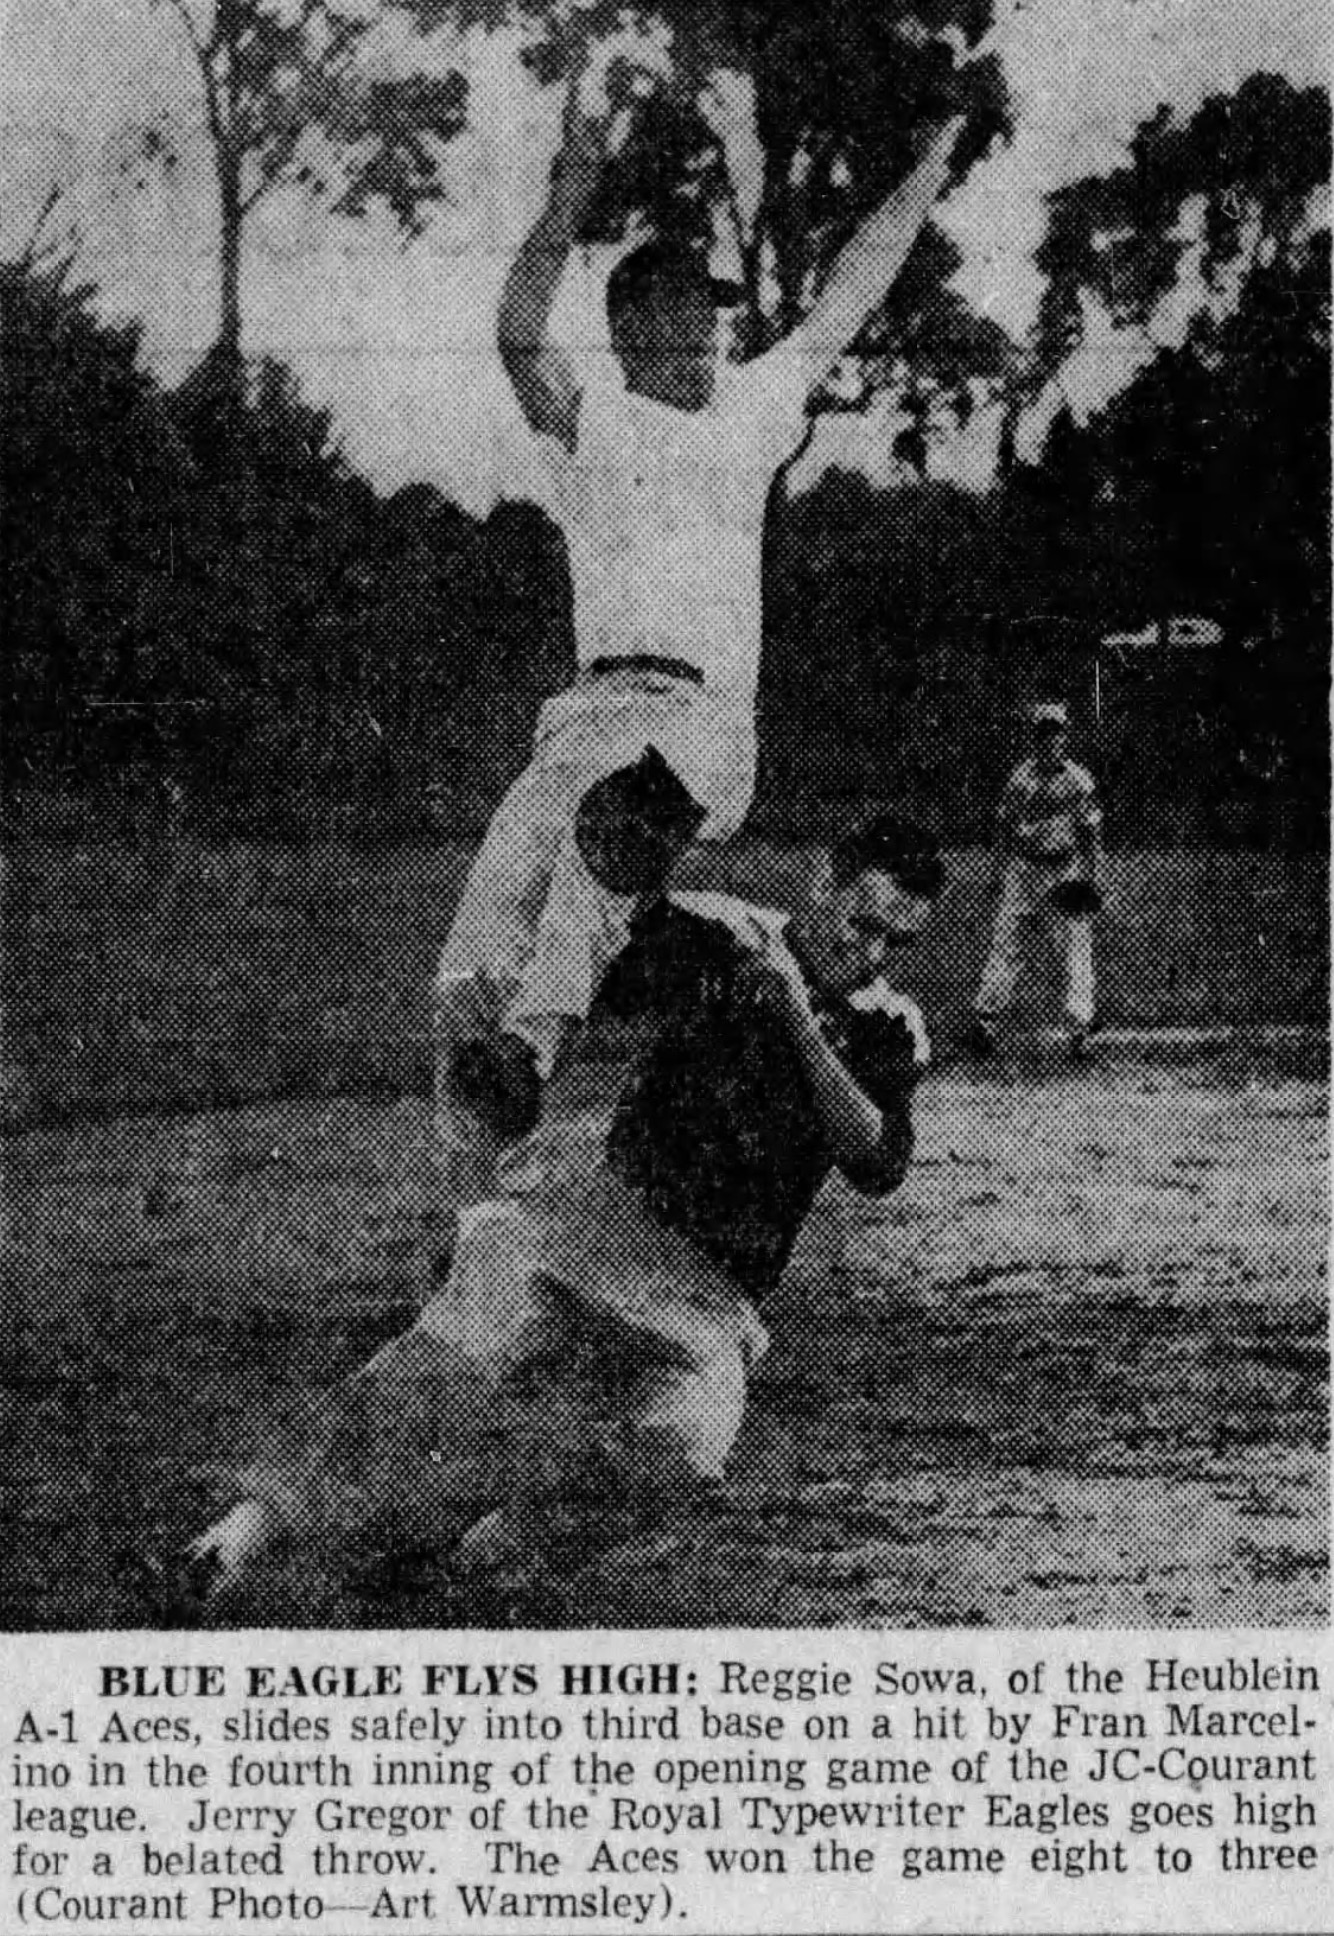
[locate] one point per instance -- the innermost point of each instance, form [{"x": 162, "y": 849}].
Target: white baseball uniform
[
  {"x": 1046, "y": 818},
  {"x": 663, "y": 512}
]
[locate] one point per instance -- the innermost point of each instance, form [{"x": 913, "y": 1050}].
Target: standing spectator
[{"x": 1049, "y": 834}]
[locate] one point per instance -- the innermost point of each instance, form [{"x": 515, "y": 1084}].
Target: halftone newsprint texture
[{"x": 665, "y": 817}]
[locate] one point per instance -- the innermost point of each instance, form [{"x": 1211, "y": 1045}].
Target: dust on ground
[{"x": 1075, "y": 1372}]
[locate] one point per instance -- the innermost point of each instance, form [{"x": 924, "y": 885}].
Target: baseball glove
[
  {"x": 881, "y": 1052},
  {"x": 1077, "y": 899}
]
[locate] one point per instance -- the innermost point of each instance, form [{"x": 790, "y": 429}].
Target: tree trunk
[
  {"x": 225, "y": 357},
  {"x": 229, "y": 331},
  {"x": 226, "y": 354}
]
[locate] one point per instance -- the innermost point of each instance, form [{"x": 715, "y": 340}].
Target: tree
[
  {"x": 1222, "y": 446},
  {"x": 87, "y": 450},
  {"x": 1251, "y": 161},
  {"x": 928, "y": 344},
  {"x": 1205, "y": 480},
  {"x": 1218, "y": 441},
  {"x": 249, "y": 624},
  {"x": 288, "y": 95},
  {"x": 838, "y": 92}
]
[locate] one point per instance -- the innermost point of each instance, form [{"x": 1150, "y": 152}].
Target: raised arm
[
  {"x": 542, "y": 375},
  {"x": 870, "y": 261}
]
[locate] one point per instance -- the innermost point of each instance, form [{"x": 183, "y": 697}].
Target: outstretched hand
[{"x": 600, "y": 108}]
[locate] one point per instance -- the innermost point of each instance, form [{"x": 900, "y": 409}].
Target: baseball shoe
[
  {"x": 212, "y": 1566},
  {"x": 180, "y": 1589},
  {"x": 493, "y": 1545}
]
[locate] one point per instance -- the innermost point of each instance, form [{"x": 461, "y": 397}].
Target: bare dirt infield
[{"x": 1076, "y": 1372}]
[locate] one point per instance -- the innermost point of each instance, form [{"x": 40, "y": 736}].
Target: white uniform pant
[
  {"x": 672, "y": 1325},
  {"x": 1024, "y": 914},
  {"x": 534, "y": 933},
  {"x": 556, "y": 1337}
]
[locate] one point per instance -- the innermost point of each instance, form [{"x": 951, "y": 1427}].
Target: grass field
[
  {"x": 155, "y": 980},
  {"x": 1075, "y": 1372}
]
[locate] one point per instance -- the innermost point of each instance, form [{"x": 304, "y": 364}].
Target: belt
[{"x": 645, "y": 662}]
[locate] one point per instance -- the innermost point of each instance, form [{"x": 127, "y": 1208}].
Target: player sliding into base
[
  {"x": 591, "y": 1349},
  {"x": 662, "y": 471}
]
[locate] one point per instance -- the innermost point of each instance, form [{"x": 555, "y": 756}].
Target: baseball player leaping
[
  {"x": 1049, "y": 865},
  {"x": 662, "y": 475}
]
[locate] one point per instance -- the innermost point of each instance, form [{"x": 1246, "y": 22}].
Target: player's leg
[
  {"x": 403, "y": 1430},
  {"x": 611, "y": 1445},
  {"x": 583, "y": 928},
  {"x": 633, "y": 817},
  {"x": 506, "y": 883},
  {"x": 1005, "y": 957},
  {"x": 688, "y": 1408},
  {"x": 541, "y": 920},
  {"x": 686, "y": 1334},
  {"x": 486, "y": 1092},
  {"x": 583, "y": 735},
  {"x": 1074, "y": 942},
  {"x": 648, "y": 1380},
  {"x": 554, "y": 1470},
  {"x": 294, "y": 1487},
  {"x": 483, "y": 959}
]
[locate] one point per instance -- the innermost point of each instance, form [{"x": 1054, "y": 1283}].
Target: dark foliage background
[{"x": 212, "y": 619}]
